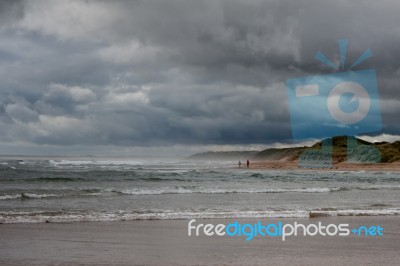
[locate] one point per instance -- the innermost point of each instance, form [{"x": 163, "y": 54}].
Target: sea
[{"x": 91, "y": 189}]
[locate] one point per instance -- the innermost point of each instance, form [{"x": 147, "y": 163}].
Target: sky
[{"x": 177, "y": 77}]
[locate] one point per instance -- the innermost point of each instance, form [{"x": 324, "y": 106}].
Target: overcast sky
[{"x": 174, "y": 77}]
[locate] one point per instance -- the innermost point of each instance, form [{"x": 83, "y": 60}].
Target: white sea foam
[
  {"x": 361, "y": 212},
  {"x": 43, "y": 216},
  {"x": 97, "y": 162},
  {"x": 27, "y": 196},
  {"x": 40, "y": 217},
  {"x": 185, "y": 190},
  {"x": 39, "y": 196},
  {"x": 10, "y": 196}
]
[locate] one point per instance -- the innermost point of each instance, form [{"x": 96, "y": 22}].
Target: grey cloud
[
  {"x": 21, "y": 113},
  {"x": 11, "y": 11},
  {"x": 148, "y": 73}
]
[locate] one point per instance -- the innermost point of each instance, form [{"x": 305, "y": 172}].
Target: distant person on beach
[
  {"x": 240, "y": 164},
  {"x": 248, "y": 164}
]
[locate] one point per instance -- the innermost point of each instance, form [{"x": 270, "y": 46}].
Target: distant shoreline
[{"x": 361, "y": 151}]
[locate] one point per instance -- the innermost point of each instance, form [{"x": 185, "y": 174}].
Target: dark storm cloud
[
  {"x": 11, "y": 11},
  {"x": 169, "y": 72}
]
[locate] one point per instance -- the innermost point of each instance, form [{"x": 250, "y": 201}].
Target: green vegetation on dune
[
  {"x": 390, "y": 152},
  {"x": 275, "y": 154}
]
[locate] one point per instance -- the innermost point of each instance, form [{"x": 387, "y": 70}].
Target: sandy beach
[{"x": 167, "y": 243}]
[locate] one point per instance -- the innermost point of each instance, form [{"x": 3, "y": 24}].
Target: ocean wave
[
  {"x": 200, "y": 190},
  {"x": 377, "y": 187},
  {"x": 95, "y": 162},
  {"x": 92, "y": 216},
  {"x": 10, "y": 196},
  {"x": 357, "y": 212},
  {"x": 379, "y": 205},
  {"x": 39, "y": 196},
  {"x": 71, "y": 216},
  {"x": 44, "y": 179},
  {"x": 28, "y": 196},
  {"x": 112, "y": 191},
  {"x": 91, "y": 192},
  {"x": 57, "y": 179},
  {"x": 157, "y": 179}
]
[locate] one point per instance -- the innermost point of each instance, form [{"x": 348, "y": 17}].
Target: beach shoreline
[
  {"x": 166, "y": 242},
  {"x": 294, "y": 165}
]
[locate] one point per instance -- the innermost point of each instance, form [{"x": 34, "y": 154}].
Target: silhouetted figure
[
  {"x": 248, "y": 164},
  {"x": 240, "y": 164}
]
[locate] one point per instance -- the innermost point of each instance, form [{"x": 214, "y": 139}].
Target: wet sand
[{"x": 166, "y": 242}]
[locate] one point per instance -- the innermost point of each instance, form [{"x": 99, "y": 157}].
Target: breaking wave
[{"x": 82, "y": 216}]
